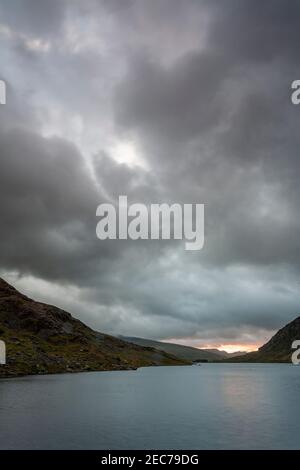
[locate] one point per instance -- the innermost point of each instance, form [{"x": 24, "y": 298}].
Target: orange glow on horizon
[
  {"x": 228, "y": 347},
  {"x": 231, "y": 348}
]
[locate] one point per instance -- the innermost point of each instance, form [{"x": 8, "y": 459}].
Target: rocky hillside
[
  {"x": 43, "y": 339},
  {"x": 278, "y": 349}
]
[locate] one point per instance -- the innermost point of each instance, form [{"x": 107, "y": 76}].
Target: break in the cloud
[{"x": 165, "y": 101}]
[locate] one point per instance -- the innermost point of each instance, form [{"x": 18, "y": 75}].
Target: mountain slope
[
  {"x": 224, "y": 354},
  {"x": 278, "y": 348},
  {"x": 186, "y": 353},
  {"x": 41, "y": 338}
]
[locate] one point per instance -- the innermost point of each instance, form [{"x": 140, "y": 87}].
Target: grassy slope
[{"x": 45, "y": 339}]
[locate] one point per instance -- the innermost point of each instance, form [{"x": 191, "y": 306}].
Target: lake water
[{"x": 228, "y": 406}]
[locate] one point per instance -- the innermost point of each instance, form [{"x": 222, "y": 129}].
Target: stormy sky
[{"x": 163, "y": 101}]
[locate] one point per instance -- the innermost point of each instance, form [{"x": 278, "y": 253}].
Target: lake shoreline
[{"x": 133, "y": 369}]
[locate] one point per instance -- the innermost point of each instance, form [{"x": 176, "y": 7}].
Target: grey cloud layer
[{"x": 202, "y": 91}]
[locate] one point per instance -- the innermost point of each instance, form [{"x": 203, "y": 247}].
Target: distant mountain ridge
[
  {"x": 187, "y": 353},
  {"x": 277, "y": 349},
  {"x": 225, "y": 354},
  {"x": 42, "y": 339}
]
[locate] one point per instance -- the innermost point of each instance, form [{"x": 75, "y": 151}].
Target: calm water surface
[{"x": 229, "y": 406}]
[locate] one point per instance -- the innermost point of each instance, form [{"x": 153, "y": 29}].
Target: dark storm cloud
[
  {"x": 225, "y": 117},
  {"x": 256, "y": 31},
  {"x": 201, "y": 91},
  {"x": 48, "y": 201},
  {"x": 176, "y": 103},
  {"x": 43, "y": 188},
  {"x": 33, "y": 17}
]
